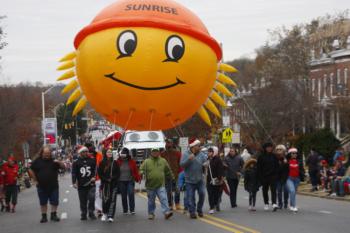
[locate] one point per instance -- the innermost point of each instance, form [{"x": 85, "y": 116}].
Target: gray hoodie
[{"x": 234, "y": 165}]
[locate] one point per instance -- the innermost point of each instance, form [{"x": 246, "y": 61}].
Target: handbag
[{"x": 214, "y": 181}]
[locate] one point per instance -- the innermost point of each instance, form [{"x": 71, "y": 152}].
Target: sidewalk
[{"x": 305, "y": 189}]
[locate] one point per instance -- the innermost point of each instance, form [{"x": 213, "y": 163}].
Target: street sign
[
  {"x": 227, "y": 135},
  {"x": 183, "y": 143},
  {"x": 226, "y": 120},
  {"x": 236, "y": 138},
  {"x": 25, "y": 147}
]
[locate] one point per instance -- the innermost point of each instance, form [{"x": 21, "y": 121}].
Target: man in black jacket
[
  {"x": 83, "y": 178},
  {"x": 268, "y": 168}
]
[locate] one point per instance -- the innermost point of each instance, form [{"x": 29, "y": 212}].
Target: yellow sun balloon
[{"x": 146, "y": 65}]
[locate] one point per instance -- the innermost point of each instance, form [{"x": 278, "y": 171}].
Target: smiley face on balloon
[{"x": 146, "y": 65}]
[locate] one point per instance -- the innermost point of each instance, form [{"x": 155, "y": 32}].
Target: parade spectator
[
  {"x": 337, "y": 187},
  {"x": 83, "y": 179},
  {"x": 192, "y": 161},
  {"x": 172, "y": 156},
  {"x": 129, "y": 174},
  {"x": 339, "y": 155},
  {"x": 215, "y": 177},
  {"x": 246, "y": 155},
  {"x": 282, "y": 190},
  {"x": 109, "y": 173},
  {"x": 2, "y": 190},
  {"x": 313, "y": 165},
  {"x": 234, "y": 165},
  {"x": 44, "y": 172},
  {"x": 156, "y": 170},
  {"x": 295, "y": 175},
  {"x": 251, "y": 182},
  {"x": 10, "y": 174},
  {"x": 268, "y": 167},
  {"x": 325, "y": 174}
]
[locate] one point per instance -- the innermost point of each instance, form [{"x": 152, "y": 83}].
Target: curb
[{"x": 324, "y": 197}]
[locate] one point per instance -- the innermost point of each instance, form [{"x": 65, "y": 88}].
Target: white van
[{"x": 140, "y": 143}]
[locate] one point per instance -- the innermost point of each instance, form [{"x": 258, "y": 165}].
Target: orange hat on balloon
[{"x": 147, "y": 65}]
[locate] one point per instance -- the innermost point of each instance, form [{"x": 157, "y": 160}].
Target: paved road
[{"x": 315, "y": 216}]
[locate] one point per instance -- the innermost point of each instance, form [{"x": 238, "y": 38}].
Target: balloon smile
[{"x": 111, "y": 76}]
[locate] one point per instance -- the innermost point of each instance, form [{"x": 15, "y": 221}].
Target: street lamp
[{"x": 43, "y": 108}]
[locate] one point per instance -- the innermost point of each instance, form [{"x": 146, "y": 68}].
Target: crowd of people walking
[{"x": 168, "y": 174}]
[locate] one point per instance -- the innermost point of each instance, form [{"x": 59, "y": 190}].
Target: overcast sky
[{"x": 39, "y": 32}]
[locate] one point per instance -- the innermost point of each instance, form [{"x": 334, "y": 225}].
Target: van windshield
[{"x": 144, "y": 136}]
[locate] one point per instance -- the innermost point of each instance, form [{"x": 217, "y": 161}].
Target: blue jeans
[
  {"x": 191, "y": 196},
  {"x": 162, "y": 196},
  {"x": 127, "y": 191},
  {"x": 338, "y": 187},
  {"x": 171, "y": 187},
  {"x": 282, "y": 194},
  {"x": 292, "y": 185}
]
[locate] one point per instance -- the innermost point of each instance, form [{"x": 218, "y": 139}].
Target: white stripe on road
[
  {"x": 65, "y": 200},
  {"x": 325, "y": 212},
  {"x": 64, "y": 215},
  {"x": 67, "y": 191}
]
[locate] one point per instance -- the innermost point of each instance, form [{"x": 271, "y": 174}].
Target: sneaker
[
  {"x": 253, "y": 209},
  {"x": 168, "y": 215},
  {"x": 132, "y": 212},
  {"x": 83, "y": 217},
  {"x": 250, "y": 208},
  {"x": 92, "y": 216},
  {"x": 104, "y": 218},
  {"x": 266, "y": 207},
  {"x": 125, "y": 213},
  {"x": 274, "y": 207},
  {"x": 43, "y": 218},
  {"x": 293, "y": 209},
  {"x": 193, "y": 216},
  {"x": 54, "y": 217},
  {"x": 333, "y": 195},
  {"x": 110, "y": 220},
  {"x": 200, "y": 214},
  {"x": 211, "y": 211},
  {"x": 151, "y": 216}
]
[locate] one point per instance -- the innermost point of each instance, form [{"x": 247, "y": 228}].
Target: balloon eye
[
  {"x": 174, "y": 48},
  {"x": 126, "y": 43}
]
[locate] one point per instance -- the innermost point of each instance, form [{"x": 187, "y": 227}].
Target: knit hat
[
  {"x": 215, "y": 150},
  {"x": 194, "y": 142},
  {"x": 292, "y": 150},
  {"x": 281, "y": 147},
  {"x": 83, "y": 149},
  {"x": 267, "y": 144}
]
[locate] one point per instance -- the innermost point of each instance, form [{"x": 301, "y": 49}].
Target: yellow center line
[
  {"x": 227, "y": 228},
  {"x": 232, "y": 224}
]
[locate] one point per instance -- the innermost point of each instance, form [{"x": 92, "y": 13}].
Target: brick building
[{"x": 329, "y": 82}]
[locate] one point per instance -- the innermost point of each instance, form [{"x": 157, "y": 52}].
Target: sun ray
[
  {"x": 74, "y": 96},
  {"x": 67, "y": 65},
  {"x": 221, "y": 88},
  {"x": 217, "y": 99},
  {"x": 68, "y": 57},
  {"x": 204, "y": 115},
  {"x": 80, "y": 105},
  {"x": 69, "y": 74},
  {"x": 211, "y": 107},
  {"x": 225, "y": 79},
  {"x": 70, "y": 86},
  {"x": 227, "y": 68}
]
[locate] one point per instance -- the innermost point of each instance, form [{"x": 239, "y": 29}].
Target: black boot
[
  {"x": 83, "y": 217},
  {"x": 43, "y": 218},
  {"x": 54, "y": 217},
  {"x": 92, "y": 216}
]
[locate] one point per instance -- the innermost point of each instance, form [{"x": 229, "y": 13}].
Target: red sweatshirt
[
  {"x": 10, "y": 174},
  {"x": 293, "y": 168}
]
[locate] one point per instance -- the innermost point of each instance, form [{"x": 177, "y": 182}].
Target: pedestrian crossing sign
[{"x": 227, "y": 135}]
